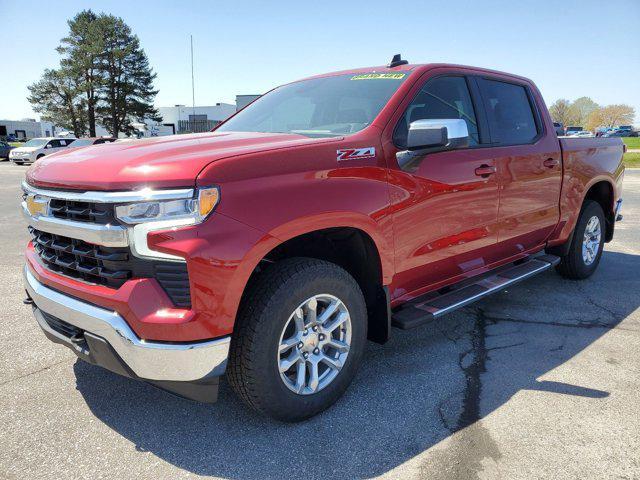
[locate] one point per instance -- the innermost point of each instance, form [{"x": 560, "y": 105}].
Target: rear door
[
  {"x": 527, "y": 156},
  {"x": 65, "y": 143},
  {"x": 444, "y": 211}
]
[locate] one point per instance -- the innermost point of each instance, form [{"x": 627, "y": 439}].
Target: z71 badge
[{"x": 356, "y": 153}]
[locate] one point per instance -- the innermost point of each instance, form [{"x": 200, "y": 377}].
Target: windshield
[
  {"x": 36, "y": 142},
  {"x": 83, "y": 142},
  {"x": 320, "y": 107}
]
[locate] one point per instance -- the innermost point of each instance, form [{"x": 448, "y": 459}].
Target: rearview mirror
[{"x": 432, "y": 135}]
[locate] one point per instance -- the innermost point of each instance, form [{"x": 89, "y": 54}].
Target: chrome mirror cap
[
  {"x": 451, "y": 129},
  {"x": 431, "y": 136}
]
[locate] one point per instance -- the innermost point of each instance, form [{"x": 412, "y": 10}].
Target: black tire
[
  {"x": 253, "y": 366},
  {"x": 573, "y": 265},
  {"x": 40, "y": 156}
]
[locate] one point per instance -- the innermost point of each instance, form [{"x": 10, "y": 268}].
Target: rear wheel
[
  {"x": 299, "y": 339},
  {"x": 586, "y": 245}
]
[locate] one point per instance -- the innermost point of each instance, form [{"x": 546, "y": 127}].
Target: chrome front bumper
[{"x": 153, "y": 361}]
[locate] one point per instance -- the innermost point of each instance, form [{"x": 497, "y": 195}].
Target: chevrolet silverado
[{"x": 321, "y": 215}]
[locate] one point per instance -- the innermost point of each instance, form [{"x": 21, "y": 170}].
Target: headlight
[{"x": 184, "y": 212}]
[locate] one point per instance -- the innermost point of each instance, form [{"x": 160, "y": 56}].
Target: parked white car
[
  {"x": 37, "y": 148},
  {"x": 583, "y": 134}
]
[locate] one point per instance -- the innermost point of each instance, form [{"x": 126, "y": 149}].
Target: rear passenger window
[
  {"x": 440, "y": 98},
  {"x": 509, "y": 112}
]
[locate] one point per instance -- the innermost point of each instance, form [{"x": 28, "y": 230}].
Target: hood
[
  {"x": 24, "y": 149},
  {"x": 161, "y": 162}
]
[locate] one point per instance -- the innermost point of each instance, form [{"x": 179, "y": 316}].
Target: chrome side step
[{"x": 433, "y": 305}]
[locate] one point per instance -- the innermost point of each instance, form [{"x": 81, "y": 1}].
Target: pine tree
[
  {"x": 81, "y": 50},
  {"x": 58, "y": 96},
  {"x": 127, "y": 79},
  {"x": 104, "y": 76}
]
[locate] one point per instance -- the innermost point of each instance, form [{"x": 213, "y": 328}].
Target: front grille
[
  {"x": 101, "y": 213},
  {"x": 81, "y": 260},
  {"x": 62, "y": 327},
  {"x": 109, "y": 266}
]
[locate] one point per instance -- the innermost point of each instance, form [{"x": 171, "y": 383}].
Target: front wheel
[
  {"x": 587, "y": 244},
  {"x": 299, "y": 340}
]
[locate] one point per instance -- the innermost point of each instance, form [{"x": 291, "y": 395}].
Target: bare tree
[
  {"x": 581, "y": 109},
  {"x": 611, "y": 116},
  {"x": 561, "y": 111}
]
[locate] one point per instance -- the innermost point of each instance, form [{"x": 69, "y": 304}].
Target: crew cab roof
[{"x": 418, "y": 68}]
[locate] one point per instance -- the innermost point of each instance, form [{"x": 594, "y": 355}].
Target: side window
[
  {"x": 53, "y": 144},
  {"x": 440, "y": 98},
  {"x": 511, "y": 119}
]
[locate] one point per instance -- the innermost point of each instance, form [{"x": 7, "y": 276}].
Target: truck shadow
[{"x": 410, "y": 394}]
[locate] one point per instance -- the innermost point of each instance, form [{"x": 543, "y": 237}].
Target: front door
[
  {"x": 445, "y": 211},
  {"x": 52, "y": 147},
  {"x": 528, "y": 163}
]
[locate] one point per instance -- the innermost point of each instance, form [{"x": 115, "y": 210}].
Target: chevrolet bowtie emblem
[{"x": 36, "y": 205}]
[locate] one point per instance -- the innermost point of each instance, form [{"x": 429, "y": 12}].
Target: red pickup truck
[{"x": 323, "y": 214}]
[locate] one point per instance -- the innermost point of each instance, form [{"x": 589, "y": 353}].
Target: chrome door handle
[{"x": 485, "y": 170}]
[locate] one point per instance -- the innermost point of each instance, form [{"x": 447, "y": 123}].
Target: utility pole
[{"x": 193, "y": 88}]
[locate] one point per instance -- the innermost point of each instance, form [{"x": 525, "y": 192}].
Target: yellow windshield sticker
[{"x": 377, "y": 76}]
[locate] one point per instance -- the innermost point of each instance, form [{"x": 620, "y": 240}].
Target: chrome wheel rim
[
  {"x": 591, "y": 240},
  {"x": 314, "y": 344}
]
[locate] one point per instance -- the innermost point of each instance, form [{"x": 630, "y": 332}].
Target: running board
[{"x": 433, "y": 305}]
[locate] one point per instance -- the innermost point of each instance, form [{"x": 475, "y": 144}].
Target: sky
[{"x": 569, "y": 48}]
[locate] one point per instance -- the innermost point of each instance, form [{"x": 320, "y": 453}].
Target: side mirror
[{"x": 430, "y": 136}]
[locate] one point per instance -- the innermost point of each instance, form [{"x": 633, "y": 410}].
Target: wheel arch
[
  {"x": 602, "y": 192},
  {"x": 350, "y": 247}
]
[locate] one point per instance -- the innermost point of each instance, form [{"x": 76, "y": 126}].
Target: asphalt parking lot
[{"x": 540, "y": 381}]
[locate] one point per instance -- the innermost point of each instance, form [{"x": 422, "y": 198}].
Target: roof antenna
[{"x": 397, "y": 61}]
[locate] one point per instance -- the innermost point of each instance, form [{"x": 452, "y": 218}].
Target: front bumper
[
  {"x": 104, "y": 338},
  {"x": 22, "y": 159}
]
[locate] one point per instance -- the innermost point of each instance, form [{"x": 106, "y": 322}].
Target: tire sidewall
[
  {"x": 279, "y": 400},
  {"x": 590, "y": 210}
]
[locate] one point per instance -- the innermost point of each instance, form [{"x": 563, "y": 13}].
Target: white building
[
  {"x": 244, "y": 100},
  {"x": 195, "y": 119},
  {"x": 27, "y": 128}
]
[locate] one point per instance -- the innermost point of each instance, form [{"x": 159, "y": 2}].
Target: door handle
[
  {"x": 485, "y": 170},
  {"x": 551, "y": 162}
]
